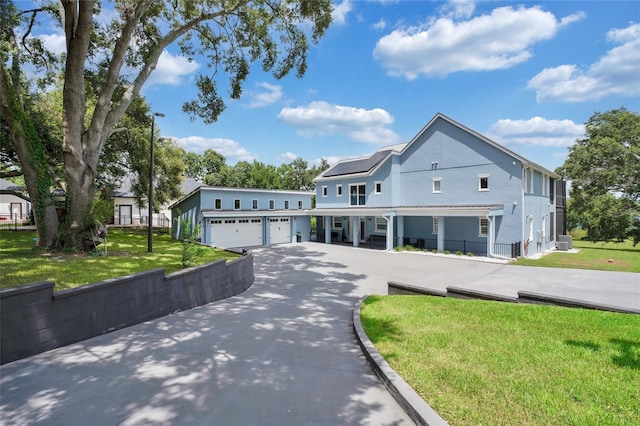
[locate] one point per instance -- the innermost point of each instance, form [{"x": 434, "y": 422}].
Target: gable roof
[
  {"x": 485, "y": 139},
  {"x": 368, "y": 164}
]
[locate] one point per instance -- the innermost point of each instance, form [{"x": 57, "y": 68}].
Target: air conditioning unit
[
  {"x": 566, "y": 239},
  {"x": 563, "y": 246}
]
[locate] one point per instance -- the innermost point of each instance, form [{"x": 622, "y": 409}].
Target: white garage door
[
  {"x": 279, "y": 230},
  {"x": 240, "y": 232}
]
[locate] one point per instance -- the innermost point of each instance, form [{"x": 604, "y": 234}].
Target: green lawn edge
[
  {"x": 480, "y": 362},
  {"x": 125, "y": 253}
]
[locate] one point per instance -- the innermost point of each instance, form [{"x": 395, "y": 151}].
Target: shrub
[
  {"x": 459, "y": 253},
  {"x": 447, "y": 252},
  {"x": 470, "y": 254}
]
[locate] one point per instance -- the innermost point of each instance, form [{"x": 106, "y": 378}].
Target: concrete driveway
[{"x": 282, "y": 353}]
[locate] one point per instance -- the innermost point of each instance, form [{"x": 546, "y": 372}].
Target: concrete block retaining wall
[{"x": 34, "y": 319}]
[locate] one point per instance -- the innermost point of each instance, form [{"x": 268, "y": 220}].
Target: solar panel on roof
[{"x": 362, "y": 165}]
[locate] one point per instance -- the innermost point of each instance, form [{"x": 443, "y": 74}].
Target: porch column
[
  {"x": 400, "y": 230},
  {"x": 390, "y": 231},
  {"x": 440, "y": 234},
  {"x": 327, "y": 229},
  {"x": 355, "y": 230}
]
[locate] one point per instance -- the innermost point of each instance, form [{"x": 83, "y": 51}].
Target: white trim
[
  {"x": 359, "y": 184},
  {"x": 453, "y": 211},
  {"x": 254, "y": 204},
  {"x": 325, "y": 191},
  {"x": 300, "y": 205},
  {"x": 254, "y": 213},
  {"x": 336, "y": 222},
  {"x": 272, "y": 204},
  {"x": 238, "y": 202},
  {"x": 285, "y": 205},
  {"x": 433, "y": 185},
  {"x": 480, "y": 234},
  {"x": 377, "y": 184},
  {"x": 214, "y": 203},
  {"x": 480, "y": 177},
  {"x": 375, "y": 224},
  {"x": 339, "y": 190}
]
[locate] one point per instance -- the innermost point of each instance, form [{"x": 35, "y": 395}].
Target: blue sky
[{"x": 527, "y": 75}]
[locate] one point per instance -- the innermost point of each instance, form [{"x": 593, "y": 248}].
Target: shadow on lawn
[{"x": 629, "y": 351}]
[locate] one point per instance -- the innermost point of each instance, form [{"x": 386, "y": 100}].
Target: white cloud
[
  {"x": 461, "y": 9},
  {"x": 616, "y": 73},
  {"x": 340, "y": 12},
  {"x": 56, "y": 43},
  {"x": 498, "y": 40},
  {"x": 272, "y": 95},
  {"x": 358, "y": 124},
  {"x": 232, "y": 150},
  {"x": 536, "y": 131},
  {"x": 380, "y": 25},
  {"x": 331, "y": 159},
  {"x": 170, "y": 69},
  {"x": 288, "y": 157}
]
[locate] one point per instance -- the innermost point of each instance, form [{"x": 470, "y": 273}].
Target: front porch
[{"x": 472, "y": 229}]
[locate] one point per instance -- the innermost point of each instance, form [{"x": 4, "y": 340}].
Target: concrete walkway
[{"x": 282, "y": 353}]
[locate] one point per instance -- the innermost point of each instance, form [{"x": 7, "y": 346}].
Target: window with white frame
[
  {"x": 434, "y": 227},
  {"x": 437, "y": 188},
  {"x": 299, "y": 204},
  {"x": 531, "y": 181},
  {"x": 357, "y": 195},
  {"x": 254, "y": 204},
  {"x": 324, "y": 190},
  {"x": 337, "y": 221},
  {"x": 272, "y": 204},
  {"x": 236, "y": 204},
  {"x": 483, "y": 182},
  {"x": 286, "y": 204},
  {"x": 381, "y": 224},
  {"x": 378, "y": 188},
  {"x": 483, "y": 226},
  {"x": 339, "y": 190},
  {"x": 217, "y": 204}
]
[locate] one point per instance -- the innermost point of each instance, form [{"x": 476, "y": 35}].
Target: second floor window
[
  {"x": 357, "y": 195},
  {"x": 254, "y": 204},
  {"x": 324, "y": 190},
  {"x": 286, "y": 204},
  {"x": 339, "y": 190},
  {"x": 299, "y": 204},
  {"x": 436, "y": 185},
  {"x": 236, "y": 204},
  {"x": 272, "y": 204},
  {"x": 217, "y": 204},
  {"x": 483, "y": 182}
]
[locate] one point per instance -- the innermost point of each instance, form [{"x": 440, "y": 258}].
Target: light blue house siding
[
  {"x": 238, "y": 217},
  {"x": 478, "y": 195}
]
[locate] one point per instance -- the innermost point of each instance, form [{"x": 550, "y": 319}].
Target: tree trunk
[
  {"x": 33, "y": 161},
  {"x": 76, "y": 146}
]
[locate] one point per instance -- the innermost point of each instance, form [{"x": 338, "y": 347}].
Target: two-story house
[
  {"x": 449, "y": 188},
  {"x": 239, "y": 217}
]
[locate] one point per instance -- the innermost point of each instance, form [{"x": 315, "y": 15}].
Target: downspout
[
  {"x": 491, "y": 238},
  {"x": 388, "y": 239}
]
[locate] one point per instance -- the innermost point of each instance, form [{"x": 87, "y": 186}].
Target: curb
[{"x": 419, "y": 411}]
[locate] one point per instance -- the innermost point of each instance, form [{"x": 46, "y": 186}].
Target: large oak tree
[
  {"x": 604, "y": 170},
  {"x": 104, "y": 57}
]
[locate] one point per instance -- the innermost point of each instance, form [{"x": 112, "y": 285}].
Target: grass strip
[{"x": 479, "y": 362}]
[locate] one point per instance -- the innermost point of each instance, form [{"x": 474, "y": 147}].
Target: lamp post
[{"x": 150, "y": 220}]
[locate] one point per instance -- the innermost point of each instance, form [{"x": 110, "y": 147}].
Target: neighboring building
[
  {"x": 14, "y": 206},
  {"x": 449, "y": 188},
  {"x": 128, "y": 212},
  {"x": 238, "y": 217}
]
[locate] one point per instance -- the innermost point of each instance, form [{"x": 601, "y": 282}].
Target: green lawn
[
  {"x": 593, "y": 255},
  {"x": 479, "y": 362},
  {"x": 126, "y": 254}
]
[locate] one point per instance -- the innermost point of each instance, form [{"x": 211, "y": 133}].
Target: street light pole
[{"x": 150, "y": 200}]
